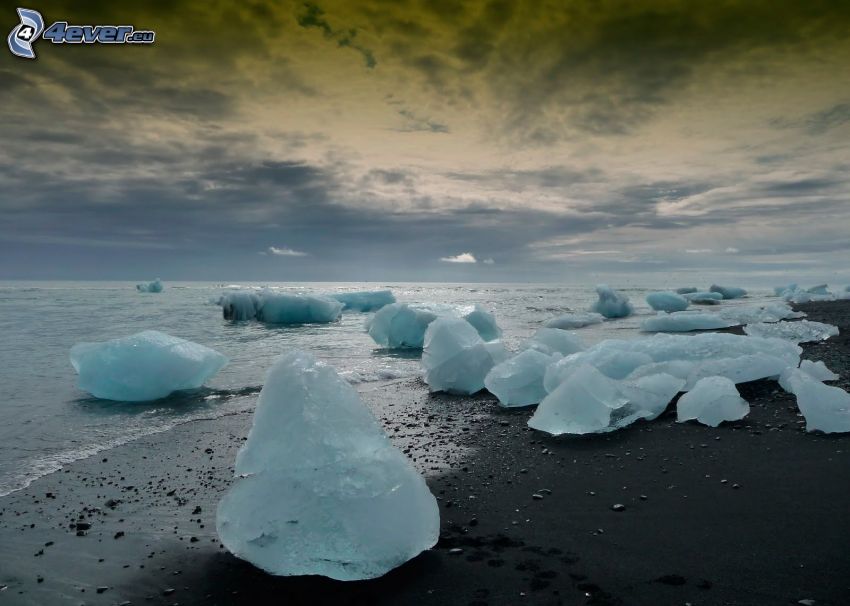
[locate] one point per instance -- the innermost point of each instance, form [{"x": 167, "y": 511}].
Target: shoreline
[{"x": 751, "y": 512}]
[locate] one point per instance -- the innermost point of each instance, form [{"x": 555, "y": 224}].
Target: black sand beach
[{"x": 752, "y": 512}]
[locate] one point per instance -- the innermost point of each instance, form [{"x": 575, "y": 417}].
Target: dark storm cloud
[{"x": 311, "y": 15}]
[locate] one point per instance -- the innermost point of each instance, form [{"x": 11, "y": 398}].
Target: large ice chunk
[
  {"x": 279, "y": 307},
  {"x": 484, "y": 322},
  {"x": 704, "y": 298},
  {"x": 518, "y": 381},
  {"x": 728, "y": 292},
  {"x": 367, "y": 300},
  {"x": 155, "y": 286},
  {"x": 145, "y": 366},
  {"x": 611, "y": 304},
  {"x": 712, "y": 401},
  {"x": 666, "y": 301},
  {"x": 319, "y": 489},
  {"x": 455, "y": 357},
  {"x": 684, "y": 321},
  {"x": 400, "y": 326},
  {"x": 574, "y": 320},
  {"x": 826, "y": 408},
  {"x": 590, "y": 402},
  {"x": 803, "y": 331}
]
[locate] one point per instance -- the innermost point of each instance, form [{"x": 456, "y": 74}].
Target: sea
[{"x": 47, "y": 421}]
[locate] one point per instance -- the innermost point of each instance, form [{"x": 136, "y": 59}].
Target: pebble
[{"x": 618, "y": 507}]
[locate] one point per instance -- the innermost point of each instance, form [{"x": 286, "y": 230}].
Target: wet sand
[{"x": 752, "y": 512}]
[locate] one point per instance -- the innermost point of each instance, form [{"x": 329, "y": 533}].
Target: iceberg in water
[
  {"x": 368, "y": 300},
  {"x": 146, "y": 366},
  {"x": 684, "y": 321},
  {"x": 319, "y": 489},
  {"x": 712, "y": 401},
  {"x": 574, "y": 320},
  {"x": 728, "y": 292},
  {"x": 826, "y": 408},
  {"x": 279, "y": 308},
  {"x": 611, "y": 303},
  {"x": 666, "y": 301},
  {"x": 590, "y": 402},
  {"x": 155, "y": 286},
  {"x": 685, "y": 290},
  {"x": 403, "y": 326},
  {"x": 455, "y": 357},
  {"x": 803, "y": 331},
  {"x": 704, "y": 298}
]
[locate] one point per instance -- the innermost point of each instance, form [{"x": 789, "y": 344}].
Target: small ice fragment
[
  {"x": 728, "y": 292},
  {"x": 712, "y": 401},
  {"x": 319, "y": 489},
  {"x": 574, "y": 320},
  {"x": 554, "y": 340},
  {"x": 684, "y": 321},
  {"x": 367, "y": 300},
  {"x": 455, "y": 357},
  {"x": 803, "y": 331},
  {"x": 145, "y": 366},
  {"x": 155, "y": 286},
  {"x": 817, "y": 370},
  {"x": 666, "y": 301},
  {"x": 704, "y": 298},
  {"x": 611, "y": 304},
  {"x": 686, "y": 290}
]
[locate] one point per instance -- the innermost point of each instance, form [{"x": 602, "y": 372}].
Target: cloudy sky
[{"x": 431, "y": 140}]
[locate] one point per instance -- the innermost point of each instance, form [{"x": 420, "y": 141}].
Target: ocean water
[{"x": 48, "y": 421}]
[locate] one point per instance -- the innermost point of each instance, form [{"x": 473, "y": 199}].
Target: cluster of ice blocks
[{"x": 403, "y": 326}]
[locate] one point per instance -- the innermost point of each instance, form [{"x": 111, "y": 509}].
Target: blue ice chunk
[
  {"x": 704, "y": 298},
  {"x": 146, "y": 366},
  {"x": 666, "y": 301},
  {"x": 279, "y": 308},
  {"x": 728, "y": 292},
  {"x": 455, "y": 357},
  {"x": 685, "y": 290},
  {"x": 518, "y": 381},
  {"x": 712, "y": 401},
  {"x": 400, "y": 326},
  {"x": 611, "y": 303},
  {"x": 368, "y": 300},
  {"x": 155, "y": 286},
  {"x": 319, "y": 488},
  {"x": 820, "y": 289},
  {"x": 484, "y": 322}
]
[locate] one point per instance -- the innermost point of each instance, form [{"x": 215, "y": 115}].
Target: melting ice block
[
  {"x": 666, "y": 301},
  {"x": 712, "y": 401},
  {"x": 728, "y": 292},
  {"x": 574, "y": 320},
  {"x": 279, "y": 308},
  {"x": 155, "y": 286},
  {"x": 826, "y": 408},
  {"x": 518, "y": 381},
  {"x": 591, "y": 402},
  {"x": 684, "y": 321},
  {"x": 368, "y": 300},
  {"x": 803, "y": 331},
  {"x": 704, "y": 298},
  {"x": 455, "y": 357},
  {"x": 611, "y": 303},
  {"x": 146, "y": 366},
  {"x": 484, "y": 322},
  {"x": 319, "y": 489}
]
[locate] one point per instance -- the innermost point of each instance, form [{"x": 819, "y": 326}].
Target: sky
[{"x": 431, "y": 141}]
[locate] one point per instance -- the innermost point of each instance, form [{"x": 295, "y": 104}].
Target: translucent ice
[
  {"x": 770, "y": 312},
  {"x": 817, "y": 370},
  {"x": 712, "y": 401},
  {"x": 590, "y": 402},
  {"x": 704, "y": 298},
  {"x": 826, "y": 408},
  {"x": 455, "y": 357},
  {"x": 666, "y": 301},
  {"x": 611, "y": 303},
  {"x": 484, "y": 322},
  {"x": 279, "y": 308},
  {"x": 368, "y": 300},
  {"x": 319, "y": 489},
  {"x": 686, "y": 290},
  {"x": 780, "y": 290},
  {"x": 146, "y": 366},
  {"x": 155, "y": 286},
  {"x": 554, "y": 340},
  {"x": 684, "y": 321},
  {"x": 728, "y": 292},
  {"x": 518, "y": 381},
  {"x": 820, "y": 289},
  {"x": 574, "y": 320},
  {"x": 399, "y": 326},
  {"x": 803, "y": 331}
]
